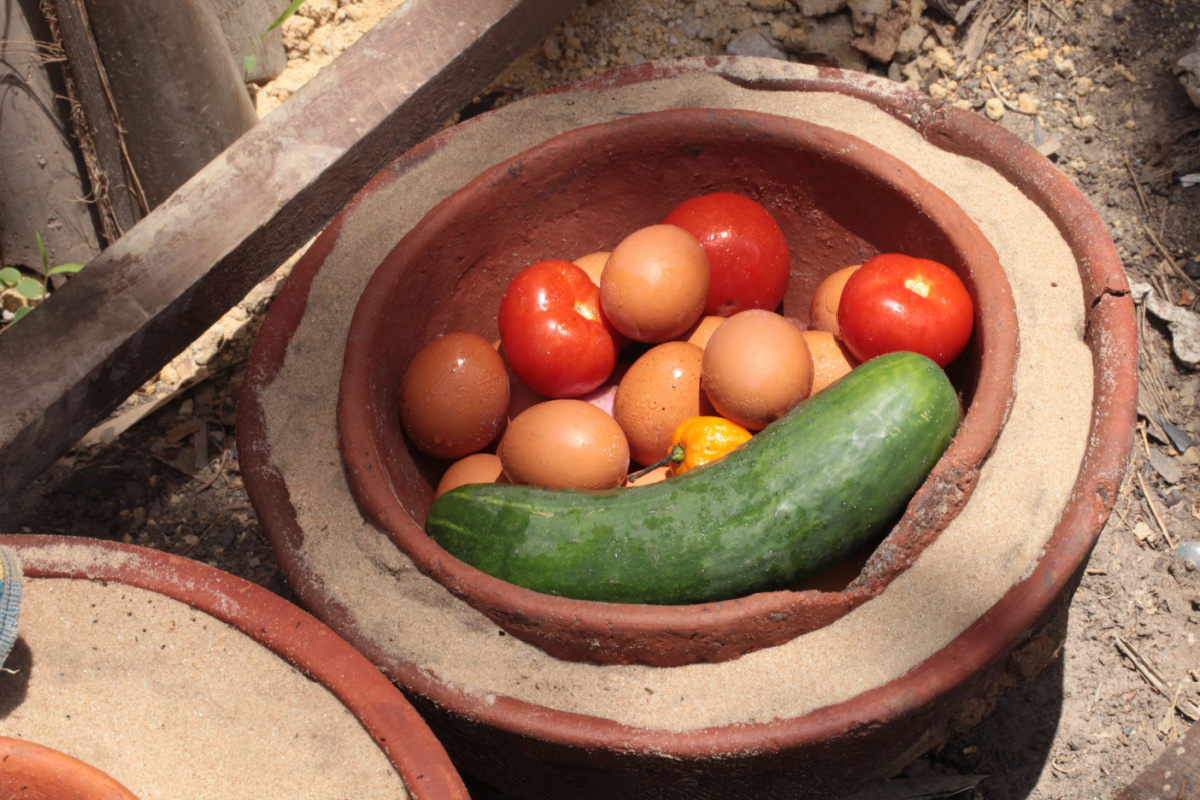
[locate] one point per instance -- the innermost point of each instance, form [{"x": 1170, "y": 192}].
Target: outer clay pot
[
  {"x": 534, "y": 751},
  {"x": 268, "y": 619},
  {"x": 29, "y": 771},
  {"x": 839, "y": 202}
]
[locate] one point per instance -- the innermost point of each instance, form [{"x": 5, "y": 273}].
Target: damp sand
[
  {"x": 995, "y": 541},
  {"x": 177, "y": 705}
]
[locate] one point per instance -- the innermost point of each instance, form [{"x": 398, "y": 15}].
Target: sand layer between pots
[
  {"x": 838, "y": 200},
  {"x": 890, "y": 675},
  {"x": 114, "y": 668}
]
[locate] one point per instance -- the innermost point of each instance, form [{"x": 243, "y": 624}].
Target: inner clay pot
[
  {"x": 33, "y": 772},
  {"x": 839, "y": 202}
]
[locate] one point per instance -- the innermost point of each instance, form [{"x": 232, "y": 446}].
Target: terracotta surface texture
[{"x": 33, "y": 772}]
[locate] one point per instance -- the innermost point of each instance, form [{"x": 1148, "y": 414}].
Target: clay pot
[
  {"x": 838, "y": 200},
  {"x": 532, "y": 750},
  {"x": 32, "y": 772},
  {"x": 276, "y": 624}
]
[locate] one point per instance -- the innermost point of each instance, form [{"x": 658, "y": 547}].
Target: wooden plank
[
  {"x": 118, "y": 199},
  {"x": 243, "y": 22},
  {"x": 141, "y": 302},
  {"x": 1174, "y": 775},
  {"x": 179, "y": 94},
  {"x": 44, "y": 181}
]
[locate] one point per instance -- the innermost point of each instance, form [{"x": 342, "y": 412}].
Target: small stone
[
  {"x": 551, "y": 49},
  {"x": 773, "y": 6},
  {"x": 780, "y": 30},
  {"x": 1027, "y": 103},
  {"x": 943, "y": 60},
  {"x": 1081, "y": 122},
  {"x": 755, "y": 42},
  {"x": 910, "y": 42},
  {"x": 938, "y": 92},
  {"x": 1064, "y": 67},
  {"x": 994, "y": 109}
]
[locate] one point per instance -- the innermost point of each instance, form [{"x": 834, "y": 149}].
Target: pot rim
[
  {"x": 303, "y": 641},
  {"x": 48, "y": 768},
  {"x": 1111, "y": 335},
  {"x": 673, "y": 635}
]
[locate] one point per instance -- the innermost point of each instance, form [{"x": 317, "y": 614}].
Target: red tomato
[
  {"x": 896, "y": 302},
  {"x": 553, "y": 333},
  {"x": 747, "y": 252}
]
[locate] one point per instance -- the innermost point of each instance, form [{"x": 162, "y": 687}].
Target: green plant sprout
[
  {"x": 250, "y": 62},
  {"x": 30, "y": 288}
]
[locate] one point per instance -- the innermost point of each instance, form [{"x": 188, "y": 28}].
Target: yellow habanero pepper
[
  {"x": 696, "y": 441},
  {"x": 704, "y": 439}
]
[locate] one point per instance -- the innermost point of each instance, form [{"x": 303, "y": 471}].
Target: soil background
[{"x": 1089, "y": 83}]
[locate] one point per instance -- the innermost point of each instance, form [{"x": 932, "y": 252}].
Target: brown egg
[
  {"x": 823, "y": 312},
  {"x": 830, "y": 359},
  {"x": 660, "y": 390},
  {"x": 593, "y": 265},
  {"x": 755, "y": 368},
  {"x": 475, "y": 468},
  {"x": 454, "y": 395},
  {"x": 654, "y": 284},
  {"x": 565, "y": 444},
  {"x": 699, "y": 333}
]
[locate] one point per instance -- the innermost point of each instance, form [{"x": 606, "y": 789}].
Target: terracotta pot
[
  {"x": 533, "y": 750},
  {"x": 29, "y": 771},
  {"x": 839, "y": 201},
  {"x": 277, "y": 625}
]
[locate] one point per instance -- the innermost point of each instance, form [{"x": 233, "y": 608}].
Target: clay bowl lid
[
  {"x": 34, "y": 772},
  {"x": 838, "y": 200},
  {"x": 387, "y": 717}
]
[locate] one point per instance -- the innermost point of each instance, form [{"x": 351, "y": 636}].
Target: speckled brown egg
[
  {"x": 655, "y": 283},
  {"x": 475, "y": 468},
  {"x": 593, "y": 265},
  {"x": 565, "y": 444},
  {"x": 660, "y": 390},
  {"x": 756, "y": 366},
  {"x": 824, "y": 309},
  {"x": 831, "y": 361},
  {"x": 454, "y": 395}
]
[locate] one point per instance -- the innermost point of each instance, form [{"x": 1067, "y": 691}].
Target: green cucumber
[{"x": 805, "y": 492}]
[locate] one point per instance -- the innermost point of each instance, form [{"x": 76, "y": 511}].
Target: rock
[
  {"x": 828, "y": 34},
  {"x": 1184, "y": 325},
  {"x": 1188, "y": 70},
  {"x": 883, "y": 42},
  {"x": 910, "y": 42},
  {"x": 994, "y": 109},
  {"x": 1027, "y": 103},
  {"x": 942, "y": 59},
  {"x": 755, "y": 42},
  {"x": 820, "y": 8},
  {"x": 1085, "y": 121},
  {"x": 864, "y": 13}
]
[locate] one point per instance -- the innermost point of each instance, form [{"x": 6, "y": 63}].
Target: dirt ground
[{"x": 1088, "y": 82}]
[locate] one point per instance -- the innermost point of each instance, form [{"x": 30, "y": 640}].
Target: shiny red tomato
[
  {"x": 554, "y": 335},
  {"x": 747, "y": 252},
  {"x": 896, "y": 302}
]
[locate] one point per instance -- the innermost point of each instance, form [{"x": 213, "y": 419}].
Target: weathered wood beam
[{"x": 141, "y": 302}]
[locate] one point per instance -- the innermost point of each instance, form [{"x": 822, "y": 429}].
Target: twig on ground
[
  {"x": 1155, "y": 678},
  {"x": 1154, "y": 511},
  {"x": 217, "y": 474},
  {"x": 200, "y": 538},
  {"x": 1137, "y": 185},
  {"x": 996, "y": 92},
  {"x": 1178, "y": 270}
]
